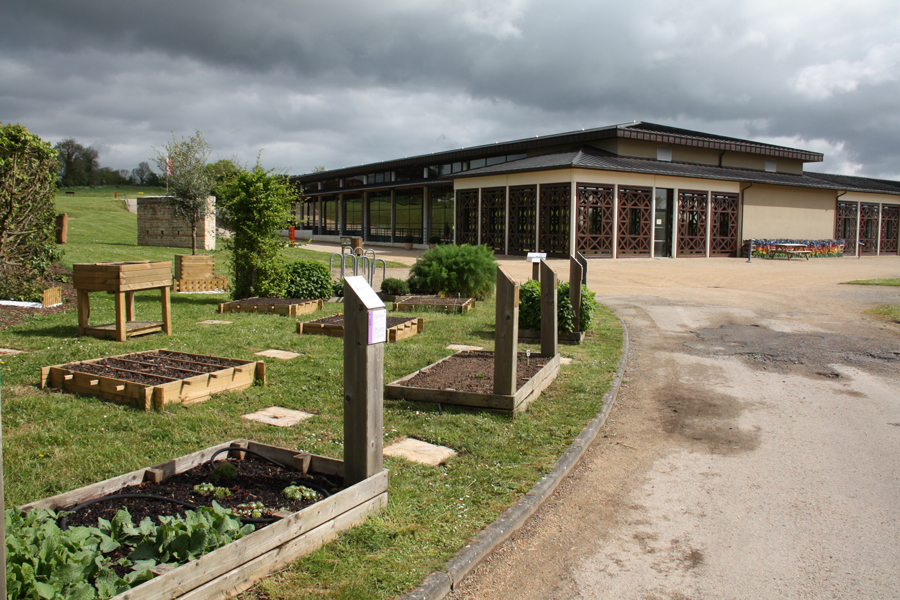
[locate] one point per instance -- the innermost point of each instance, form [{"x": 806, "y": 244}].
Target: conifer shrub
[{"x": 448, "y": 270}]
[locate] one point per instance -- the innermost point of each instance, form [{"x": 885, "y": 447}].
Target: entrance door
[{"x": 662, "y": 219}]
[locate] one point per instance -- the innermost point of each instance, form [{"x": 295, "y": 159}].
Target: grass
[
  {"x": 887, "y": 312},
  {"x": 55, "y": 442}
]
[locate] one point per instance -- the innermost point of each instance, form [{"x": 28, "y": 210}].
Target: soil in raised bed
[
  {"x": 272, "y": 301},
  {"x": 472, "y": 371},
  {"x": 153, "y": 368},
  {"x": 257, "y": 481},
  {"x": 339, "y": 320}
]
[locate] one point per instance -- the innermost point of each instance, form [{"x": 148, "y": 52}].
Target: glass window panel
[
  {"x": 495, "y": 160},
  {"x": 442, "y": 202},
  {"x": 409, "y": 204}
]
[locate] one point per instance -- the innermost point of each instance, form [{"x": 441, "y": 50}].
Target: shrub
[
  {"x": 434, "y": 238},
  {"x": 394, "y": 287},
  {"x": 408, "y": 238},
  {"x": 309, "y": 280},
  {"x": 470, "y": 271},
  {"x": 337, "y": 288},
  {"x": 530, "y": 307}
]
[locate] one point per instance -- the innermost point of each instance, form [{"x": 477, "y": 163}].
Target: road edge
[{"x": 440, "y": 583}]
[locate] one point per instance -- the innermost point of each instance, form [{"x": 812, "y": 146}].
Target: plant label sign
[
  {"x": 374, "y": 305},
  {"x": 535, "y": 257}
]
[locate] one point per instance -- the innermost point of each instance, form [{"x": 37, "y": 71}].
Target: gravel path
[{"x": 753, "y": 449}]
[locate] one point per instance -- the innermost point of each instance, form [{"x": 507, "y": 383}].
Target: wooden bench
[
  {"x": 792, "y": 253},
  {"x": 70, "y": 193},
  {"x": 791, "y": 250}
]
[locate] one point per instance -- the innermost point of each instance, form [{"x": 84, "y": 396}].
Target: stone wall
[{"x": 157, "y": 225}]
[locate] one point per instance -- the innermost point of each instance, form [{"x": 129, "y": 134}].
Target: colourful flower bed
[{"x": 818, "y": 248}]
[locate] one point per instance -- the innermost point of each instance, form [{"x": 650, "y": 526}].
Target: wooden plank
[
  {"x": 507, "y": 334},
  {"x": 549, "y": 314},
  {"x": 576, "y": 273},
  {"x": 166, "y": 301}
]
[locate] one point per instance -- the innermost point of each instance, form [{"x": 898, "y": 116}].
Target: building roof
[
  {"x": 638, "y": 130},
  {"x": 589, "y": 157}
]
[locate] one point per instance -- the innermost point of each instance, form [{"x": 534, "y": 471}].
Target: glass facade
[
  {"x": 442, "y": 202},
  {"x": 380, "y": 222},
  {"x": 353, "y": 222},
  {"x": 410, "y": 211},
  {"x": 329, "y": 215}
]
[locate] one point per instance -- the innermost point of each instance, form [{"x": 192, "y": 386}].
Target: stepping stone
[
  {"x": 419, "y": 451},
  {"x": 215, "y": 322},
  {"x": 10, "y": 351},
  {"x": 278, "y": 416},
  {"x": 282, "y": 354},
  {"x": 566, "y": 360},
  {"x": 463, "y": 347}
]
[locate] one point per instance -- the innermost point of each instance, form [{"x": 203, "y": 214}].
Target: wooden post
[
  {"x": 166, "y": 309},
  {"x": 365, "y": 329},
  {"x": 121, "y": 322},
  {"x": 583, "y": 262},
  {"x": 507, "y": 334},
  {"x": 536, "y": 271},
  {"x": 2, "y": 521},
  {"x": 62, "y": 228},
  {"x": 129, "y": 306},
  {"x": 549, "y": 314},
  {"x": 575, "y": 279},
  {"x": 84, "y": 310}
]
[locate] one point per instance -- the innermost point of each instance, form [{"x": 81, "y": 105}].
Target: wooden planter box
[
  {"x": 290, "y": 310},
  {"x": 411, "y": 305},
  {"x": 513, "y": 404},
  {"x": 188, "y": 390},
  {"x": 51, "y": 297},
  {"x": 530, "y": 336},
  {"x": 394, "y": 334},
  {"x": 237, "y": 566},
  {"x": 196, "y": 273}
]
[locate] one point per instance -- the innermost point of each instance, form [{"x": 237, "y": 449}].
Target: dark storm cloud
[{"x": 342, "y": 83}]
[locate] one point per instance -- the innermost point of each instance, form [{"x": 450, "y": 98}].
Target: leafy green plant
[
  {"x": 309, "y": 280},
  {"x": 394, "y": 287},
  {"x": 408, "y": 238},
  {"x": 588, "y": 304},
  {"x": 530, "y": 307},
  {"x": 208, "y": 489},
  {"x": 223, "y": 472},
  {"x": 299, "y": 492},
  {"x": 447, "y": 269},
  {"x": 337, "y": 288},
  {"x": 434, "y": 238}
]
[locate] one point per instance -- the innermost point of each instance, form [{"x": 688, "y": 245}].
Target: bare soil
[
  {"x": 473, "y": 371},
  {"x": 339, "y": 320},
  {"x": 153, "y": 368},
  {"x": 272, "y": 301}
]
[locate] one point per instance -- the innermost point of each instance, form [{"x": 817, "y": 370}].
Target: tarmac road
[{"x": 753, "y": 451}]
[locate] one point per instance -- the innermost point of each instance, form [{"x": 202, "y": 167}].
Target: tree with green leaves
[
  {"x": 188, "y": 180},
  {"x": 28, "y": 178},
  {"x": 77, "y": 165},
  {"x": 255, "y": 204}
]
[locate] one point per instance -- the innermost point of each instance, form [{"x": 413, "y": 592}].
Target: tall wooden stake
[
  {"x": 576, "y": 276},
  {"x": 364, "y": 336},
  {"x": 506, "y": 339},
  {"x": 2, "y": 519},
  {"x": 549, "y": 314}
]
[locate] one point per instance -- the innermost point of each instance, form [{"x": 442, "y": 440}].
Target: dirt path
[{"x": 753, "y": 450}]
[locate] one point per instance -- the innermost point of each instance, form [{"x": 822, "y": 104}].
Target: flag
[{"x": 169, "y": 168}]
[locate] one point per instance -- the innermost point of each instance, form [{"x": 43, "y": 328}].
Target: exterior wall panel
[{"x": 772, "y": 212}]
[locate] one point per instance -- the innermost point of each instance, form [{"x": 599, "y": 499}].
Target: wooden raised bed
[
  {"x": 435, "y": 304},
  {"x": 279, "y": 306},
  {"x": 135, "y": 382},
  {"x": 237, "y": 566},
  {"x": 530, "y": 336},
  {"x": 196, "y": 273},
  {"x": 51, "y": 297},
  {"x": 509, "y": 404},
  {"x": 401, "y": 328}
]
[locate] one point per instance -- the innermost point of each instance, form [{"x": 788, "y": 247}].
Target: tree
[
  {"x": 221, "y": 171},
  {"x": 255, "y": 204},
  {"x": 142, "y": 173},
  {"x": 184, "y": 163},
  {"x": 28, "y": 177},
  {"x": 77, "y": 165}
]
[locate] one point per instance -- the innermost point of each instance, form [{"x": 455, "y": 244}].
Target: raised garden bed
[
  {"x": 238, "y": 565},
  {"x": 398, "y": 328},
  {"x": 466, "y": 378},
  {"x": 434, "y": 304},
  {"x": 154, "y": 378},
  {"x": 531, "y": 336},
  {"x": 291, "y": 307},
  {"x": 196, "y": 273}
]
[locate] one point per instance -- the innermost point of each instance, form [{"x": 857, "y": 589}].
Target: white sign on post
[
  {"x": 373, "y": 304},
  {"x": 535, "y": 257}
]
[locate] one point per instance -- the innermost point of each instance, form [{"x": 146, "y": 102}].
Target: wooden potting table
[{"x": 123, "y": 279}]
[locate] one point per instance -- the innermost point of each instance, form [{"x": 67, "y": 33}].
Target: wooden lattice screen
[
  {"x": 635, "y": 220},
  {"x": 723, "y": 234},
  {"x": 691, "y": 223},
  {"x": 845, "y": 225},
  {"x": 890, "y": 226},
  {"x": 554, "y": 217},
  {"x": 493, "y": 217},
  {"x": 522, "y": 219},
  {"x": 868, "y": 228},
  {"x": 467, "y": 217},
  {"x": 596, "y": 219}
]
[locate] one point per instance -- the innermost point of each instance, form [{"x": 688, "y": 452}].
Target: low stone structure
[{"x": 158, "y": 226}]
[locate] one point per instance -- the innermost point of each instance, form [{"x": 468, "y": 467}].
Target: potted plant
[
  {"x": 433, "y": 240},
  {"x": 408, "y": 241}
]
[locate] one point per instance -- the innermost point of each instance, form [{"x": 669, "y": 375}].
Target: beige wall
[
  {"x": 871, "y": 198},
  {"x": 772, "y": 212}
]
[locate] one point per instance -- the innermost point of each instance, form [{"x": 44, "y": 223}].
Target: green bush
[
  {"x": 337, "y": 288},
  {"x": 309, "y": 280},
  {"x": 470, "y": 271},
  {"x": 394, "y": 287},
  {"x": 530, "y": 307}
]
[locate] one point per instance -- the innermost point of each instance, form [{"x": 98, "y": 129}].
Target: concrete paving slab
[
  {"x": 215, "y": 322},
  {"x": 10, "y": 351},
  {"x": 461, "y": 347},
  {"x": 278, "y": 416},
  {"x": 419, "y": 451},
  {"x": 282, "y": 354}
]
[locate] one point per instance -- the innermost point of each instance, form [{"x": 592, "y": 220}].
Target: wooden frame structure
[{"x": 123, "y": 279}]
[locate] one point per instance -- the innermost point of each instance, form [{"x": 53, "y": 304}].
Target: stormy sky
[{"x": 339, "y": 83}]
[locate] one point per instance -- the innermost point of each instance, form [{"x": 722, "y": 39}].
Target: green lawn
[
  {"x": 54, "y": 442},
  {"x": 888, "y": 312}
]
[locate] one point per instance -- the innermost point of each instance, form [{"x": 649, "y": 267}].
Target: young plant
[
  {"x": 223, "y": 472},
  {"x": 299, "y": 492}
]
